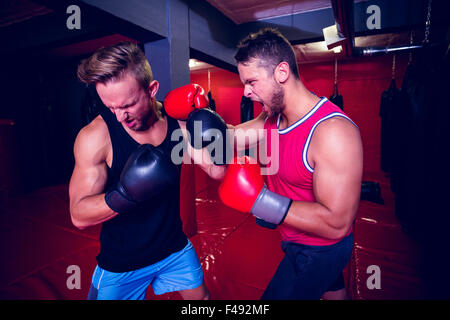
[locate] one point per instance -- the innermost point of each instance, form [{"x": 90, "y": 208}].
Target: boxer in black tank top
[{"x": 125, "y": 179}]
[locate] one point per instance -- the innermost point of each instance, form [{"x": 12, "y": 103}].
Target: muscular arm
[
  {"x": 201, "y": 157},
  {"x": 336, "y": 155},
  {"x": 248, "y": 134},
  {"x": 87, "y": 200}
]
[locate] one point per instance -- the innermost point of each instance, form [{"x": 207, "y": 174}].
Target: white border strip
[{"x": 303, "y": 119}]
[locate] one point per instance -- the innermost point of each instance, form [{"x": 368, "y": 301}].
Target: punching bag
[
  {"x": 420, "y": 166},
  {"x": 246, "y": 113},
  {"x": 388, "y": 103},
  {"x": 423, "y": 172},
  {"x": 212, "y": 103},
  {"x": 336, "y": 98},
  {"x": 246, "y": 109}
]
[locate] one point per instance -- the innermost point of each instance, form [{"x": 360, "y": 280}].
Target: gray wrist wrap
[{"x": 270, "y": 206}]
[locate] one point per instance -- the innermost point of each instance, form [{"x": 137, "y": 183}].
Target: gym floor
[{"x": 43, "y": 252}]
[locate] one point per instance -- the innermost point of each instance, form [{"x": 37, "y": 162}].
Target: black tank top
[{"x": 154, "y": 230}]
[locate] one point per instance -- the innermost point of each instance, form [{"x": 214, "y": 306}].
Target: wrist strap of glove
[
  {"x": 265, "y": 224},
  {"x": 271, "y": 207}
]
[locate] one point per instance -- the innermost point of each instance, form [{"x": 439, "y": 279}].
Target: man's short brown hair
[{"x": 270, "y": 47}]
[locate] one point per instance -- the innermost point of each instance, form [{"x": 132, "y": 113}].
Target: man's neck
[
  {"x": 299, "y": 101},
  {"x": 156, "y": 114}
]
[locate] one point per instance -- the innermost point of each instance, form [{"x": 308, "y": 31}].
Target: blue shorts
[
  {"x": 179, "y": 271},
  {"x": 307, "y": 272}
]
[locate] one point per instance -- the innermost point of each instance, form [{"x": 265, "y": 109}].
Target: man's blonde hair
[{"x": 113, "y": 62}]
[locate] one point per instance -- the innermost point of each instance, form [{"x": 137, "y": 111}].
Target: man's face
[
  {"x": 260, "y": 85},
  {"x": 130, "y": 103}
]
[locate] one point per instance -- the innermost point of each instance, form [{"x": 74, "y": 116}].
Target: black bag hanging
[
  {"x": 388, "y": 103},
  {"x": 420, "y": 164},
  {"x": 336, "y": 98},
  {"x": 212, "y": 103},
  {"x": 421, "y": 170},
  {"x": 246, "y": 109},
  {"x": 246, "y": 114}
]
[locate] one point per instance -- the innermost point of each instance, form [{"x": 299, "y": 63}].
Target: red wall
[{"x": 361, "y": 83}]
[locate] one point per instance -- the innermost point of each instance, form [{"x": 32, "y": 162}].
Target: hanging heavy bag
[
  {"x": 388, "y": 103},
  {"x": 421, "y": 165},
  {"x": 246, "y": 109},
  {"x": 336, "y": 98},
  {"x": 212, "y": 103}
]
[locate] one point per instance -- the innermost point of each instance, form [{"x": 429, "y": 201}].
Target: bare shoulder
[
  {"x": 93, "y": 141},
  {"x": 336, "y": 129},
  {"x": 336, "y": 138}
]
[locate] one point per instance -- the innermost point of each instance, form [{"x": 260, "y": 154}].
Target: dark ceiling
[{"x": 404, "y": 23}]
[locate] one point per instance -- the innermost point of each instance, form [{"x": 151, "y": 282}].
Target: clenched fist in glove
[
  {"x": 183, "y": 100},
  {"x": 146, "y": 173},
  {"x": 206, "y": 128},
  {"x": 243, "y": 189}
]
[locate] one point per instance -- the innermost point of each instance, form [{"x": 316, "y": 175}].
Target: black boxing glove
[
  {"x": 147, "y": 172},
  {"x": 207, "y": 129}
]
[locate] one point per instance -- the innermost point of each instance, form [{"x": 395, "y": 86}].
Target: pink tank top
[{"x": 294, "y": 178}]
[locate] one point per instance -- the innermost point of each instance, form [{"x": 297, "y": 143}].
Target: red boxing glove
[
  {"x": 242, "y": 184},
  {"x": 243, "y": 189},
  {"x": 183, "y": 100}
]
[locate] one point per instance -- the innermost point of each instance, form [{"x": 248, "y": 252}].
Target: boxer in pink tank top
[
  {"x": 313, "y": 196},
  {"x": 294, "y": 178}
]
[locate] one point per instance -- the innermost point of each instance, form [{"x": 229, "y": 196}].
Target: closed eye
[{"x": 124, "y": 106}]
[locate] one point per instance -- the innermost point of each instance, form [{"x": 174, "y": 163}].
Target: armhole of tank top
[
  {"x": 311, "y": 132},
  {"x": 107, "y": 119}
]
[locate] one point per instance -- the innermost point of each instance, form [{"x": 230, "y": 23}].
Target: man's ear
[
  {"x": 153, "y": 88},
  {"x": 282, "y": 72}
]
